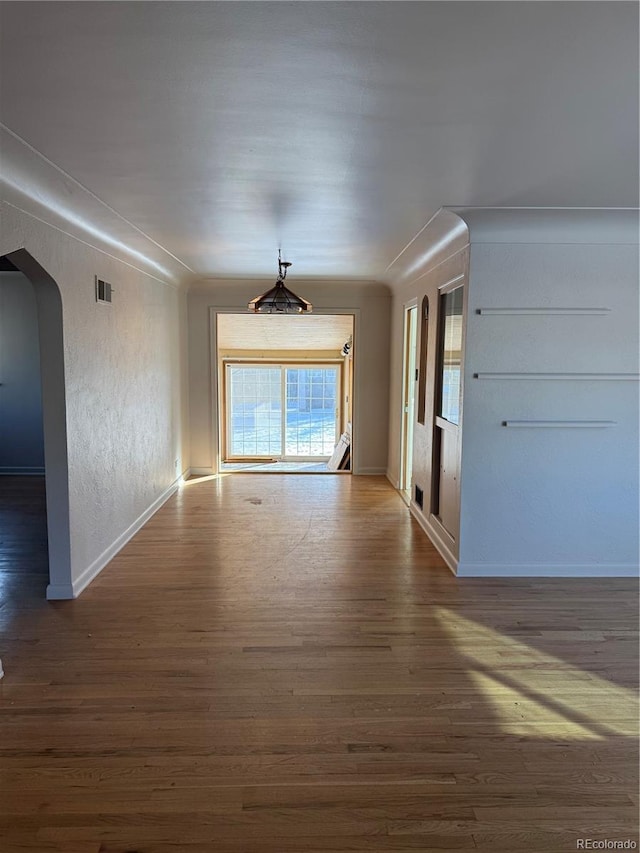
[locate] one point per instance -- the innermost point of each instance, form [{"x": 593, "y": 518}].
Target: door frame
[
  {"x": 408, "y": 380},
  {"x": 216, "y": 374},
  {"x": 54, "y": 422}
]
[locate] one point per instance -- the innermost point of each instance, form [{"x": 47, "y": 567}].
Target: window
[
  {"x": 450, "y": 355},
  {"x": 445, "y": 492},
  {"x": 282, "y": 411},
  {"x": 254, "y": 411},
  {"x": 311, "y": 411},
  {"x": 422, "y": 369}
]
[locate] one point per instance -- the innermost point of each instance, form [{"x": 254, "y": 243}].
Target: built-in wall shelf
[
  {"x": 559, "y": 424},
  {"x": 577, "y": 312},
  {"x": 625, "y": 377}
]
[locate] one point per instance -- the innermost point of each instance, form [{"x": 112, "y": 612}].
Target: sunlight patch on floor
[
  {"x": 195, "y": 480},
  {"x": 519, "y": 714},
  {"x": 554, "y": 697}
]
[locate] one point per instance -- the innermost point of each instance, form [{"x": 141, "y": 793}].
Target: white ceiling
[
  {"x": 223, "y": 130},
  {"x": 284, "y": 332}
]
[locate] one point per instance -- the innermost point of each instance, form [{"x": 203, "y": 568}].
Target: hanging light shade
[{"x": 280, "y": 300}]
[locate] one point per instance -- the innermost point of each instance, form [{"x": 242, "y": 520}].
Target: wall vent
[
  {"x": 419, "y": 497},
  {"x": 103, "y": 290}
]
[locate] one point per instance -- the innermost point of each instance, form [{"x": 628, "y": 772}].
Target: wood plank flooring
[{"x": 282, "y": 664}]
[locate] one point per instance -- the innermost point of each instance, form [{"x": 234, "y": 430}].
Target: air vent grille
[{"x": 104, "y": 290}]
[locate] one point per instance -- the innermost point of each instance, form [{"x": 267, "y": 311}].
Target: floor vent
[{"x": 419, "y": 497}]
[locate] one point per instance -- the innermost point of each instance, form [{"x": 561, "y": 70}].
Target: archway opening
[
  {"x": 285, "y": 392},
  {"x": 40, "y": 413}
]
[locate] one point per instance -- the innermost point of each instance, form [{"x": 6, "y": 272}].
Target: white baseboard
[
  {"x": 435, "y": 537},
  {"x": 406, "y": 497},
  {"x": 547, "y": 570},
  {"x": 56, "y": 592},
  {"x": 371, "y": 472},
  {"x": 199, "y": 472},
  {"x": 393, "y": 481},
  {"x": 62, "y": 591},
  {"x": 21, "y": 471},
  {"x": 1, "y": 670}
]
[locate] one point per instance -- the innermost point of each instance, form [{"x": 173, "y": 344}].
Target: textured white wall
[
  {"x": 372, "y": 304},
  {"x": 21, "y": 433},
  {"x": 126, "y": 409},
  {"x": 551, "y": 500}
]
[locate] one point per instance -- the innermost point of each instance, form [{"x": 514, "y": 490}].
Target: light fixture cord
[{"x": 281, "y": 275}]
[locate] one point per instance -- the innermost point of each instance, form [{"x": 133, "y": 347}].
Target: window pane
[
  {"x": 311, "y": 411},
  {"x": 451, "y": 307},
  {"x": 255, "y": 427}
]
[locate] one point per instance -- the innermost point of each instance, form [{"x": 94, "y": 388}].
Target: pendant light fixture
[{"x": 280, "y": 300}]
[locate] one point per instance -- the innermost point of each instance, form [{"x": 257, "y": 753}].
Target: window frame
[{"x": 283, "y": 365}]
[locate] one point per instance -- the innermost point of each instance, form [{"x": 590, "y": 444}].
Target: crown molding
[
  {"x": 35, "y": 185},
  {"x": 559, "y": 225},
  {"x": 444, "y": 235}
]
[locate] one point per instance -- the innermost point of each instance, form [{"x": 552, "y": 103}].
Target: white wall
[
  {"x": 21, "y": 432},
  {"x": 126, "y": 410},
  {"x": 541, "y": 500},
  {"x": 371, "y": 304}
]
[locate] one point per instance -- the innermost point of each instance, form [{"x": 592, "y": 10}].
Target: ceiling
[
  {"x": 224, "y": 130},
  {"x": 262, "y": 332}
]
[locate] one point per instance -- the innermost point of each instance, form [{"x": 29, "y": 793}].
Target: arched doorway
[{"x": 52, "y": 376}]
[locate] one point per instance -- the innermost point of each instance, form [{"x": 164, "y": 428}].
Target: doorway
[
  {"x": 285, "y": 389},
  {"x": 50, "y": 458},
  {"x": 24, "y": 563},
  {"x": 408, "y": 398}
]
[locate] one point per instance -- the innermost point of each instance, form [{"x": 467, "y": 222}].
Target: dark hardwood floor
[
  {"x": 24, "y": 567},
  {"x": 283, "y": 664}
]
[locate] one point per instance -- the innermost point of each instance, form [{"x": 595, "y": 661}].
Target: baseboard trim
[
  {"x": 547, "y": 570},
  {"x": 437, "y": 540},
  {"x": 371, "y": 472},
  {"x": 1, "y": 670},
  {"x": 199, "y": 472},
  {"x": 62, "y": 591},
  {"x": 56, "y": 592},
  {"x": 406, "y": 497},
  {"x": 394, "y": 483},
  {"x": 21, "y": 471}
]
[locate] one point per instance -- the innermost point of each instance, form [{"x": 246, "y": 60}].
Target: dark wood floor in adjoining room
[
  {"x": 24, "y": 569},
  {"x": 282, "y": 664}
]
